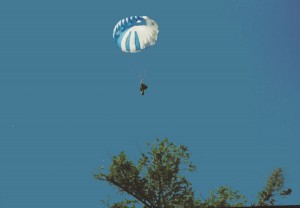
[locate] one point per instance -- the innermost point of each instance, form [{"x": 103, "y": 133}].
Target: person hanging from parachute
[
  {"x": 134, "y": 34},
  {"x": 143, "y": 87}
]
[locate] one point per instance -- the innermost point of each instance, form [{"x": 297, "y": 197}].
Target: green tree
[
  {"x": 155, "y": 181},
  {"x": 273, "y": 189},
  {"x": 225, "y": 197}
]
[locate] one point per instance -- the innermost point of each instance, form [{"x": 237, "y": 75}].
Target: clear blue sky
[{"x": 223, "y": 80}]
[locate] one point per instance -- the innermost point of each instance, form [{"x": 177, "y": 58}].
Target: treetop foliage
[{"x": 156, "y": 181}]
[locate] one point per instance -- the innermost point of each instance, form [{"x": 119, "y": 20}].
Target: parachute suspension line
[
  {"x": 142, "y": 76},
  {"x": 145, "y": 72},
  {"x": 136, "y": 70}
]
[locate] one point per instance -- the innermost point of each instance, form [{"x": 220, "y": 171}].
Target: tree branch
[{"x": 145, "y": 202}]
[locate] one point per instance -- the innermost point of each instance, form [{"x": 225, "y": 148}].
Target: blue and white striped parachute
[{"x": 135, "y": 33}]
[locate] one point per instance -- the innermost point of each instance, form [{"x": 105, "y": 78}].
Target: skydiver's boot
[{"x": 142, "y": 91}]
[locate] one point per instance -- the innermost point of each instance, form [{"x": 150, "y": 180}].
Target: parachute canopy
[{"x": 135, "y": 33}]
